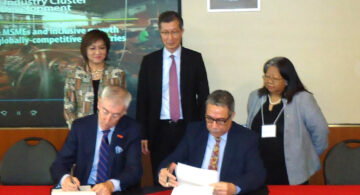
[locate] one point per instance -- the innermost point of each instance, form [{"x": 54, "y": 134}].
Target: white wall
[{"x": 321, "y": 38}]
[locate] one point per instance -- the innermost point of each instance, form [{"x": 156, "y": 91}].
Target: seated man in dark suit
[
  {"x": 219, "y": 144},
  {"x": 106, "y": 148}
]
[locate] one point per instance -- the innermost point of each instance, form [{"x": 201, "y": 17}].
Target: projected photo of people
[{"x": 40, "y": 44}]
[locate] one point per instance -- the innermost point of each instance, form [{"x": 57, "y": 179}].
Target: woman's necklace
[
  {"x": 96, "y": 74},
  {"x": 274, "y": 103}
]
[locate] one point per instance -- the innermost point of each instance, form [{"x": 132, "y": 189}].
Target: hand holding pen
[
  {"x": 68, "y": 185},
  {"x": 72, "y": 178},
  {"x": 166, "y": 177},
  {"x": 71, "y": 183}
]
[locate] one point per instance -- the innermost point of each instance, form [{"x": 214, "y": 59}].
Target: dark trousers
[{"x": 168, "y": 136}]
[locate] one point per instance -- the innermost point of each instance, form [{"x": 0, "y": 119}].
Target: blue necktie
[{"x": 103, "y": 165}]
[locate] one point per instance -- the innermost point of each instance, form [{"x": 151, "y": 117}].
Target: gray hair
[
  {"x": 222, "y": 98},
  {"x": 117, "y": 94}
]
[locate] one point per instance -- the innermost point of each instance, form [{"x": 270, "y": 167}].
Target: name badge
[{"x": 268, "y": 131}]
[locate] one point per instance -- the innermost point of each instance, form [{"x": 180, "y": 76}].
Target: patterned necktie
[
  {"x": 103, "y": 165},
  {"x": 174, "y": 92},
  {"x": 215, "y": 155}
]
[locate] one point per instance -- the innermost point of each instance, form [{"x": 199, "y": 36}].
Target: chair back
[
  {"x": 342, "y": 164},
  {"x": 26, "y": 164}
]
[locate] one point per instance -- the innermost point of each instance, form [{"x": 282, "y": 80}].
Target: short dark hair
[
  {"x": 288, "y": 72},
  {"x": 222, "y": 98},
  {"x": 90, "y": 38},
  {"x": 170, "y": 16}
]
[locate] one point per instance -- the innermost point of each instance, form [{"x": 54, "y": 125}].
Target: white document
[
  {"x": 194, "y": 180},
  {"x": 84, "y": 190}
]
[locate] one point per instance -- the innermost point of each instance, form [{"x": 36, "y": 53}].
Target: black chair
[
  {"x": 27, "y": 164},
  {"x": 342, "y": 164}
]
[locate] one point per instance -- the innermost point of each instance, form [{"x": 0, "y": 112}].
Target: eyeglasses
[
  {"x": 105, "y": 112},
  {"x": 218, "y": 121},
  {"x": 273, "y": 79},
  {"x": 172, "y": 33}
]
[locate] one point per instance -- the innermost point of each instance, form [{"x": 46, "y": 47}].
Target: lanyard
[{"x": 277, "y": 118}]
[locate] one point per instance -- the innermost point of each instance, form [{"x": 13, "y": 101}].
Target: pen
[
  {"x": 72, "y": 175},
  {"x": 167, "y": 177}
]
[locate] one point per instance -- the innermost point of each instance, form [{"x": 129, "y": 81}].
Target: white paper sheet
[
  {"x": 194, "y": 180},
  {"x": 84, "y": 190}
]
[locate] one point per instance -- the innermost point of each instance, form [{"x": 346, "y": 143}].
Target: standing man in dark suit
[
  {"x": 219, "y": 144},
  {"x": 105, "y": 148},
  {"x": 172, "y": 90}
]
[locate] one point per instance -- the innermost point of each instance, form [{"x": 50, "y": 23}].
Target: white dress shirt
[
  {"x": 165, "y": 99},
  {"x": 209, "y": 150}
]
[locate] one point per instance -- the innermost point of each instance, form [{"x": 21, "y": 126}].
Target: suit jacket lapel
[
  {"x": 91, "y": 137},
  {"x": 200, "y": 150},
  {"x": 183, "y": 71},
  {"x": 228, "y": 152},
  {"x": 115, "y": 140},
  {"x": 157, "y": 71}
]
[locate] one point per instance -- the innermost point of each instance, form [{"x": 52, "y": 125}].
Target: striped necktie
[
  {"x": 215, "y": 155},
  {"x": 103, "y": 165}
]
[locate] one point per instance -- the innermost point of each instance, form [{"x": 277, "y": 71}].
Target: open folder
[
  {"x": 194, "y": 180},
  {"x": 84, "y": 190}
]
